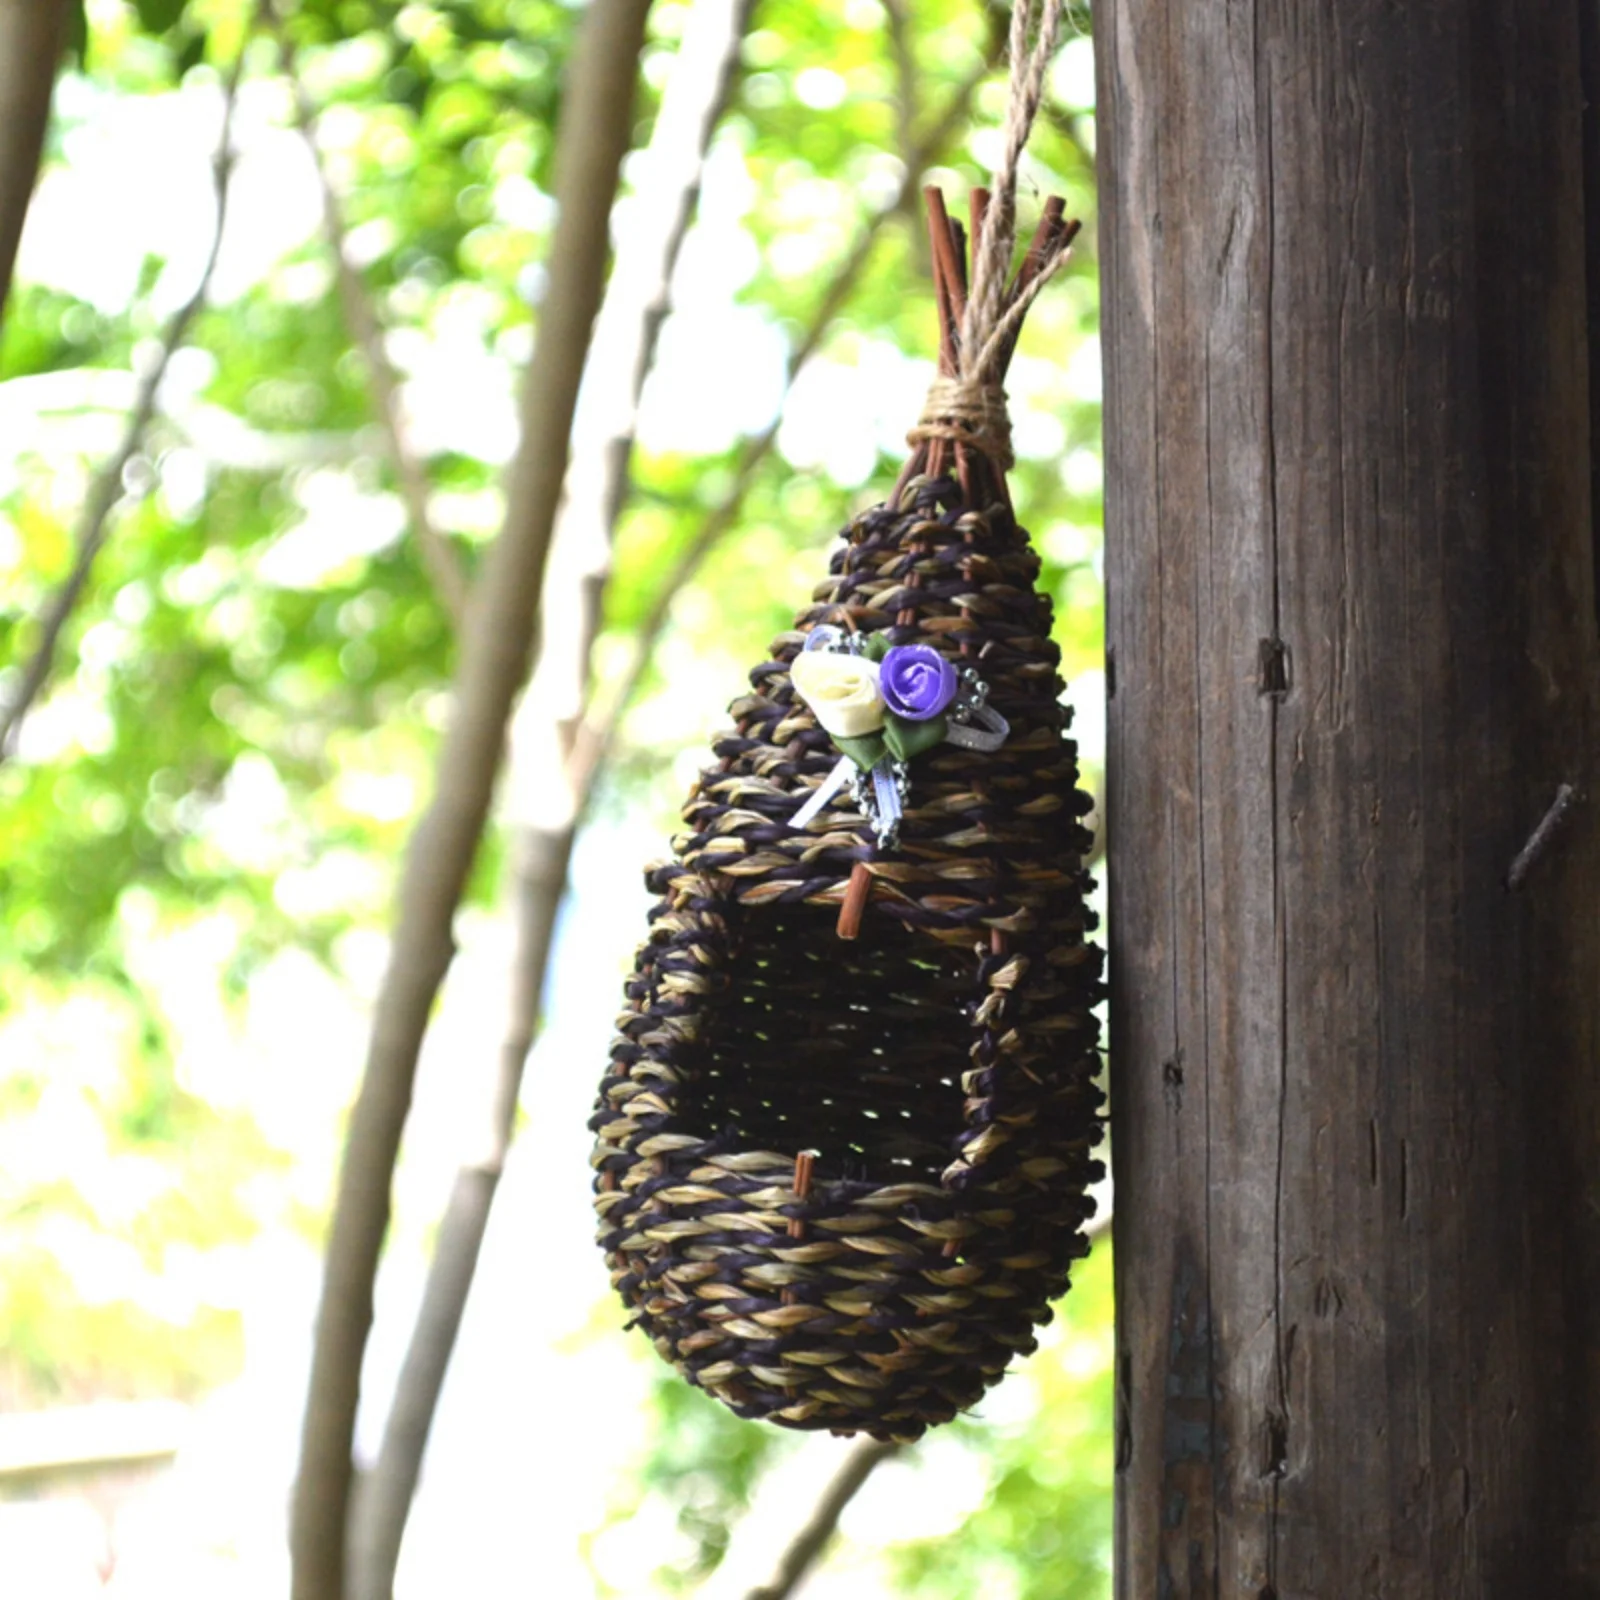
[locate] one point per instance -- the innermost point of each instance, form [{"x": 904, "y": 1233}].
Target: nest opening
[{"x": 852, "y": 1049}]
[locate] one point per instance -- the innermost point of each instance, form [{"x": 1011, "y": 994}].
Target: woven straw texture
[{"x": 941, "y": 1066}]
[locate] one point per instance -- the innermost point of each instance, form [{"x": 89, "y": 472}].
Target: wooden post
[
  {"x": 31, "y": 32},
  {"x": 1353, "y": 659}
]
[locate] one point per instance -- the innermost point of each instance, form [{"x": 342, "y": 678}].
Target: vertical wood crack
[
  {"x": 1589, "y": 71},
  {"x": 1275, "y": 686}
]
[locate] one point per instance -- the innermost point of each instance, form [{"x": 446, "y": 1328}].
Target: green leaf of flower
[
  {"x": 906, "y": 738},
  {"x": 865, "y": 749},
  {"x": 875, "y": 646}
]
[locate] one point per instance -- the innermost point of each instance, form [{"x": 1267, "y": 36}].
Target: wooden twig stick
[
  {"x": 853, "y": 907},
  {"x": 978, "y": 210},
  {"x": 804, "y": 1165},
  {"x": 1050, "y": 220},
  {"x": 947, "y": 275},
  {"x": 947, "y": 279}
]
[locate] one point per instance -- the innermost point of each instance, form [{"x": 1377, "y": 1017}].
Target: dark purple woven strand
[{"x": 944, "y": 1076}]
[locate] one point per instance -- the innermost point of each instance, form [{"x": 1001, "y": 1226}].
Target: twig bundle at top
[{"x": 840, "y": 1179}]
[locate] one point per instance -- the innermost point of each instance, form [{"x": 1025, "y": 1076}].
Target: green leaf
[
  {"x": 150, "y": 270},
  {"x": 156, "y": 16},
  {"x": 77, "y": 40},
  {"x": 906, "y": 738},
  {"x": 191, "y": 54},
  {"x": 865, "y": 749},
  {"x": 875, "y": 646}
]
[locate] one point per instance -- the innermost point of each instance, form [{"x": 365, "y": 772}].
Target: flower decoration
[
  {"x": 842, "y": 691},
  {"x": 917, "y": 682},
  {"x": 882, "y": 705}
]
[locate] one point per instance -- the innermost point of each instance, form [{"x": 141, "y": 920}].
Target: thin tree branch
[
  {"x": 601, "y": 722},
  {"x": 438, "y": 557},
  {"x": 496, "y": 646},
  {"x": 106, "y": 490},
  {"x": 620, "y": 357},
  {"x": 31, "y": 33},
  {"x": 802, "y": 1552},
  {"x": 897, "y": 15},
  {"x": 383, "y": 1505},
  {"x": 808, "y": 1544}
]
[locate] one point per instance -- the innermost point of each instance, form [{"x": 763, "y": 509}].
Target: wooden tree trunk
[
  {"x": 1352, "y": 642},
  {"x": 30, "y": 46}
]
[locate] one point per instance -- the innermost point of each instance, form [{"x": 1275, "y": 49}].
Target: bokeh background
[{"x": 202, "y": 823}]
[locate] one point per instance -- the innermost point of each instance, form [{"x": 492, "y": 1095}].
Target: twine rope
[
  {"x": 969, "y": 405},
  {"x": 970, "y": 412}
]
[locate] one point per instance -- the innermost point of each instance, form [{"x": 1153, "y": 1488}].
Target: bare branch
[
  {"x": 31, "y": 32},
  {"x": 106, "y": 490},
  {"x": 383, "y": 1506},
  {"x": 801, "y": 1553},
  {"x": 601, "y": 722},
  {"x": 361, "y": 316},
  {"x": 620, "y": 357},
  {"x": 496, "y": 646},
  {"x": 905, "y": 67},
  {"x": 897, "y": 15}
]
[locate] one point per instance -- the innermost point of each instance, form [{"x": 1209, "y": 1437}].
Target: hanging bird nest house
[{"x": 849, "y": 1121}]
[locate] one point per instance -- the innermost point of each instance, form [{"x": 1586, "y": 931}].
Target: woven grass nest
[{"x": 849, "y": 1120}]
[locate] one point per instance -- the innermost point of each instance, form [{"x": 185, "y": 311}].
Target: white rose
[{"x": 841, "y": 690}]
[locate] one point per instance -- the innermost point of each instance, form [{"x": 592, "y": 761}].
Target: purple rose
[{"x": 916, "y": 682}]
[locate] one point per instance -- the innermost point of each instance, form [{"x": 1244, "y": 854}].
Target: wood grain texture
[{"x": 1353, "y": 639}]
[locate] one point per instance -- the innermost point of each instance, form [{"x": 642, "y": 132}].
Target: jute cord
[
  {"x": 991, "y": 264},
  {"x": 968, "y": 406},
  {"x": 967, "y": 411}
]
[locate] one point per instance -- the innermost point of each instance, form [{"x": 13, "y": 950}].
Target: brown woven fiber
[{"x": 849, "y": 1120}]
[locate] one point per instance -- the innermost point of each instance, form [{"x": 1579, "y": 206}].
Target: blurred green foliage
[
  {"x": 245, "y": 707},
  {"x": 704, "y": 1464},
  {"x": 1043, "y": 1530}
]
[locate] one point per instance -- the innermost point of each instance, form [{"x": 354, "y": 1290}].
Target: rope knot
[{"x": 970, "y": 411}]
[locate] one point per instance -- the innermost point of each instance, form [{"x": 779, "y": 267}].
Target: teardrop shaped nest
[{"x": 840, "y": 1180}]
